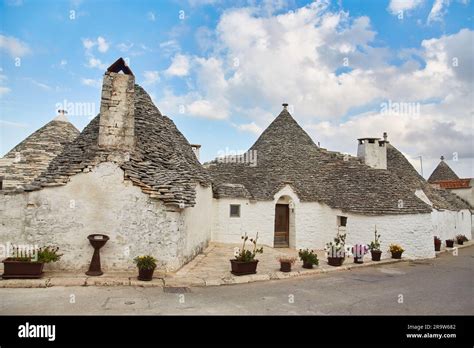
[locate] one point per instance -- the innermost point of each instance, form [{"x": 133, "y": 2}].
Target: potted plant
[
  {"x": 244, "y": 261},
  {"x": 437, "y": 243},
  {"x": 374, "y": 247},
  {"x": 29, "y": 265},
  {"x": 396, "y": 251},
  {"x": 358, "y": 251},
  {"x": 308, "y": 257},
  {"x": 449, "y": 243},
  {"x": 460, "y": 239},
  {"x": 286, "y": 262},
  {"x": 335, "y": 250},
  {"x": 146, "y": 266}
]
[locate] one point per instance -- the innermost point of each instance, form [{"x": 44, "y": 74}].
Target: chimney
[
  {"x": 61, "y": 116},
  {"x": 196, "y": 149},
  {"x": 373, "y": 151},
  {"x": 117, "y": 121},
  {"x": 285, "y": 106}
]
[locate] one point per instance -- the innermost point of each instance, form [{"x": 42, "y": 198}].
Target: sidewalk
[{"x": 211, "y": 268}]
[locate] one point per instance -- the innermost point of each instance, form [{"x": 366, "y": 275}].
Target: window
[
  {"x": 1, "y": 183},
  {"x": 235, "y": 210},
  {"x": 342, "y": 221}
]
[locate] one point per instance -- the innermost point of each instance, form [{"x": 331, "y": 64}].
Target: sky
[{"x": 222, "y": 69}]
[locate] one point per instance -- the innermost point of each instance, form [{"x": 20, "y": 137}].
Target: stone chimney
[
  {"x": 196, "y": 149},
  {"x": 373, "y": 151},
  {"x": 117, "y": 119}
]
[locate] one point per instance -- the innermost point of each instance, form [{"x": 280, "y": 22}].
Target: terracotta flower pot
[
  {"x": 242, "y": 268},
  {"x": 145, "y": 274},
  {"x": 285, "y": 266},
  {"x": 460, "y": 241},
  {"x": 335, "y": 261},
  {"x": 397, "y": 255},
  {"x": 449, "y": 243},
  {"x": 22, "y": 269},
  {"x": 376, "y": 254},
  {"x": 307, "y": 265},
  {"x": 437, "y": 245}
]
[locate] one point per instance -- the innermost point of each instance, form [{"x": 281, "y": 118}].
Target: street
[{"x": 440, "y": 286}]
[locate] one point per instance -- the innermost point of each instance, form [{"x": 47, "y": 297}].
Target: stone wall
[
  {"x": 315, "y": 224},
  {"x": 101, "y": 201},
  {"x": 447, "y": 224},
  {"x": 116, "y": 126}
]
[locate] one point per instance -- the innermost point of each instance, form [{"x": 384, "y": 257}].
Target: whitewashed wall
[
  {"x": 315, "y": 224},
  {"x": 447, "y": 224},
  {"x": 197, "y": 225},
  {"x": 101, "y": 201}
]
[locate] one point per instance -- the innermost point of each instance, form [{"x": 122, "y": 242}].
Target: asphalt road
[{"x": 440, "y": 286}]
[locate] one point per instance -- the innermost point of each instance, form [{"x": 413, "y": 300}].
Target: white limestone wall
[
  {"x": 197, "y": 225},
  {"x": 254, "y": 217},
  {"x": 316, "y": 224},
  {"x": 447, "y": 224},
  {"x": 100, "y": 201}
]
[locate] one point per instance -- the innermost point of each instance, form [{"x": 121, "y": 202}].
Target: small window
[
  {"x": 235, "y": 210},
  {"x": 1, "y": 183},
  {"x": 342, "y": 221}
]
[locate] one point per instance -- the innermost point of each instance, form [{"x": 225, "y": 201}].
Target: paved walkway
[{"x": 210, "y": 268}]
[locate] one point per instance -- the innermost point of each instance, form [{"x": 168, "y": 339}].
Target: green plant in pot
[
  {"x": 146, "y": 266},
  {"x": 396, "y": 251},
  {"x": 29, "y": 263},
  {"x": 335, "y": 250},
  {"x": 308, "y": 257},
  {"x": 460, "y": 239},
  {"x": 286, "y": 262},
  {"x": 374, "y": 247},
  {"x": 437, "y": 243},
  {"x": 244, "y": 260}
]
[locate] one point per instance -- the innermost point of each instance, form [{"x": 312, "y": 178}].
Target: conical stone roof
[
  {"x": 162, "y": 162},
  {"x": 402, "y": 168},
  {"x": 21, "y": 165},
  {"x": 286, "y": 154},
  {"x": 442, "y": 172}
]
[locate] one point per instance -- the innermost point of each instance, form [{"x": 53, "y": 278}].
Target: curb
[{"x": 163, "y": 282}]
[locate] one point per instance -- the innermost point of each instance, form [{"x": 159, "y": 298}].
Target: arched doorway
[{"x": 282, "y": 226}]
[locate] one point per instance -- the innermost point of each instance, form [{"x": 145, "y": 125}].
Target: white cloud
[
  {"x": 100, "y": 42},
  {"x": 258, "y": 62},
  {"x": 91, "y": 82},
  {"x": 179, "y": 66},
  {"x": 169, "y": 47},
  {"x": 124, "y": 47},
  {"x": 151, "y": 77},
  {"x": 13, "y": 46},
  {"x": 151, "y": 16},
  {"x": 437, "y": 11},
  {"x": 96, "y": 63},
  {"x": 38, "y": 84},
  {"x": 251, "y": 127},
  {"x": 396, "y": 6}
]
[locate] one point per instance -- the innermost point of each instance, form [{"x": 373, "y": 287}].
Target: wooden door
[{"x": 282, "y": 226}]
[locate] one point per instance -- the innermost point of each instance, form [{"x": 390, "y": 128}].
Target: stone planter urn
[{"x": 97, "y": 241}]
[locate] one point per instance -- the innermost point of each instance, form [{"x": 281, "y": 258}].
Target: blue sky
[{"x": 221, "y": 69}]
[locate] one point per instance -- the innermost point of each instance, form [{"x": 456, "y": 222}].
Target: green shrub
[{"x": 145, "y": 262}]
